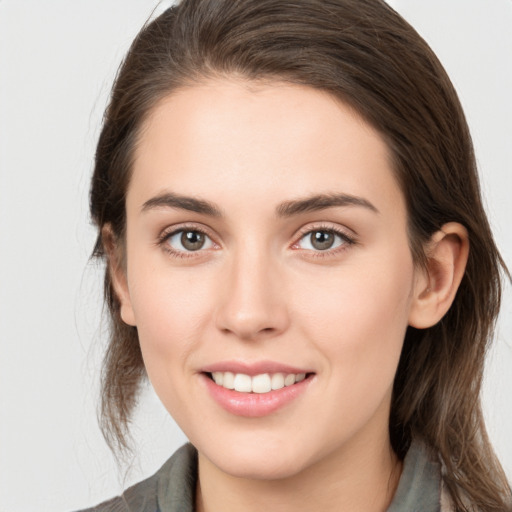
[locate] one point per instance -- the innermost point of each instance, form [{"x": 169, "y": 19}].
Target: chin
[
  {"x": 259, "y": 459},
  {"x": 271, "y": 467}
]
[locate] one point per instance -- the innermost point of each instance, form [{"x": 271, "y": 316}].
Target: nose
[{"x": 252, "y": 301}]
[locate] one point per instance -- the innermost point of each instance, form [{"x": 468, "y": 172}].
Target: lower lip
[{"x": 255, "y": 405}]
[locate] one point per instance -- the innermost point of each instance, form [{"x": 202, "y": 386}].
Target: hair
[{"x": 366, "y": 55}]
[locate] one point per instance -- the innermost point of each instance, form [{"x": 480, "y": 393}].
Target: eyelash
[
  {"x": 347, "y": 240},
  {"x": 167, "y": 234}
]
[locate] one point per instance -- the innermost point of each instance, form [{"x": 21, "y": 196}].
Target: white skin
[{"x": 259, "y": 290}]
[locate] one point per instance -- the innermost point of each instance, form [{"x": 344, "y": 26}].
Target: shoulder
[{"x": 171, "y": 488}]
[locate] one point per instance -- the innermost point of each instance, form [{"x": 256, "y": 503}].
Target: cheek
[
  {"x": 357, "y": 317},
  {"x": 170, "y": 309}
]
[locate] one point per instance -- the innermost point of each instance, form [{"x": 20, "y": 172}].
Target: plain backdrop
[{"x": 57, "y": 62}]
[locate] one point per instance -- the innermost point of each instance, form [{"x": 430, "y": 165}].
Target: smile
[
  {"x": 262, "y": 383},
  {"x": 256, "y": 393}
]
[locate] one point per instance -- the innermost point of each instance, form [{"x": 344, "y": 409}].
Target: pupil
[
  {"x": 322, "y": 240},
  {"x": 192, "y": 240}
]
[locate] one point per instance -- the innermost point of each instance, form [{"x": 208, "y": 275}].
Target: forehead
[{"x": 253, "y": 139}]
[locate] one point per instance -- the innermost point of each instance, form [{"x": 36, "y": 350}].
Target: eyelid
[
  {"x": 170, "y": 231},
  {"x": 190, "y": 226},
  {"x": 347, "y": 235}
]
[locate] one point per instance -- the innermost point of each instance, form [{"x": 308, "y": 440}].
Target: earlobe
[
  {"x": 118, "y": 275},
  {"x": 436, "y": 286}
]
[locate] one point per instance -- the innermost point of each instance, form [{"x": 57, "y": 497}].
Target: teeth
[
  {"x": 218, "y": 377},
  {"x": 289, "y": 379},
  {"x": 262, "y": 383},
  {"x": 277, "y": 381},
  {"x": 243, "y": 383},
  {"x": 228, "y": 381}
]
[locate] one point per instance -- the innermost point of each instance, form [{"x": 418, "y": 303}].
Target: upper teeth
[{"x": 262, "y": 383}]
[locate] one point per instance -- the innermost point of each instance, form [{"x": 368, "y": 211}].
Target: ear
[
  {"x": 117, "y": 270},
  {"x": 435, "y": 287}
]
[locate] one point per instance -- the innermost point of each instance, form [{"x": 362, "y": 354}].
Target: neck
[{"x": 356, "y": 479}]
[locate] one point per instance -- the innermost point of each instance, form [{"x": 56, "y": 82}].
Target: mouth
[
  {"x": 258, "y": 388},
  {"x": 257, "y": 384}
]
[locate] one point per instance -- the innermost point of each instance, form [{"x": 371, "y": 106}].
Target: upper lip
[{"x": 253, "y": 368}]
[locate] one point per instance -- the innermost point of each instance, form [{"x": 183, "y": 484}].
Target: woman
[{"x": 298, "y": 259}]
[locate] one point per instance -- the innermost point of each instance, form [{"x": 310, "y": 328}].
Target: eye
[
  {"x": 188, "y": 240},
  {"x": 323, "y": 240}
]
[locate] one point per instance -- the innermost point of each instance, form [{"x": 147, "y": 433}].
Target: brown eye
[
  {"x": 188, "y": 240},
  {"x": 318, "y": 240},
  {"x": 192, "y": 240},
  {"x": 322, "y": 240}
]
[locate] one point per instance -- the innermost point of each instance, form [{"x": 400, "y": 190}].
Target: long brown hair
[{"x": 364, "y": 53}]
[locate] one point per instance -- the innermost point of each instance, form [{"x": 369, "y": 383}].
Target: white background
[{"x": 57, "y": 62}]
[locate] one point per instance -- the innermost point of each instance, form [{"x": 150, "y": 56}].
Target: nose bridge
[{"x": 253, "y": 302}]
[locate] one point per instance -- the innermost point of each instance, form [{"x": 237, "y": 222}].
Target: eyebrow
[
  {"x": 322, "y": 202},
  {"x": 285, "y": 209},
  {"x": 191, "y": 204}
]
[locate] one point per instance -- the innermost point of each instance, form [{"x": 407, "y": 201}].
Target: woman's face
[{"x": 266, "y": 239}]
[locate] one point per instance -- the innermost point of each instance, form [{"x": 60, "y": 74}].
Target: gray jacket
[{"x": 172, "y": 487}]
